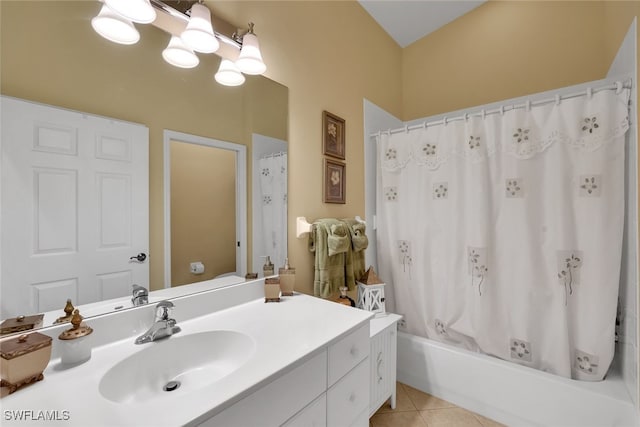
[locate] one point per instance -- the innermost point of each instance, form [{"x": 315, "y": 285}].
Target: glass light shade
[
  {"x": 250, "y": 59},
  {"x": 114, "y": 27},
  {"x": 135, "y": 10},
  {"x": 228, "y": 74},
  {"x": 199, "y": 33},
  {"x": 179, "y": 55}
]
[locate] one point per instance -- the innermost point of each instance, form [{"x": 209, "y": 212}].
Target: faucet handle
[
  {"x": 140, "y": 295},
  {"x": 139, "y": 289},
  {"x": 163, "y": 308}
]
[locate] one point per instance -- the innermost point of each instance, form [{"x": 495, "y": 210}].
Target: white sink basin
[{"x": 192, "y": 361}]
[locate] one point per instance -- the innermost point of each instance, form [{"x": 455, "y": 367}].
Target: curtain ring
[
  {"x": 445, "y": 120},
  {"x": 424, "y": 125},
  {"x": 589, "y": 92},
  {"x": 466, "y": 117},
  {"x": 557, "y": 99},
  {"x": 527, "y": 106},
  {"x": 484, "y": 113},
  {"x": 406, "y": 128},
  {"x": 502, "y": 110},
  {"x": 618, "y": 88}
]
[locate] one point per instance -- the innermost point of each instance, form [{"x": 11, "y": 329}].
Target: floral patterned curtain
[
  {"x": 273, "y": 185},
  {"x": 503, "y": 233}
]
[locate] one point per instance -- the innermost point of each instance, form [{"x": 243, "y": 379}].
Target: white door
[{"x": 74, "y": 207}]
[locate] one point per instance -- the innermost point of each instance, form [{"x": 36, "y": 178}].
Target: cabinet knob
[
  {"x": 354, "y": 351},
  {"x": 352, "y": 397}
]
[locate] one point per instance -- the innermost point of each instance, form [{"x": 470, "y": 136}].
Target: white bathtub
[{"x": 509, "y": 393}]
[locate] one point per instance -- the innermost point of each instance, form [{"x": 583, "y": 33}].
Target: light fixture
[
  {"x": 190, "y": 31},
  {"x": 228, "y": 74},
  {"x": 250, "y": 59},
  {"x": 114, "y": 27},
  {"x": 199, "y": 32},
  {"x": 179, "y": 55},
  {"x": 136, "y": 10}
]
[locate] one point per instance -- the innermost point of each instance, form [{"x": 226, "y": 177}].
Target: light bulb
[
  {"x": 135, "y": 10},
  {"x": 228, "y": 74},
  {"x": 114, "y": 27},
  {"x": 199, "y": 34},
  {"x": 179, "y": 55},
  {"x": 250, "y": 59}
]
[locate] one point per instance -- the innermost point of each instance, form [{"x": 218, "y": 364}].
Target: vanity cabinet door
[
  {"x": 279, "y": 400},
  {"x": 314, "y": 415},
  {"x": 383, "y": 367}
]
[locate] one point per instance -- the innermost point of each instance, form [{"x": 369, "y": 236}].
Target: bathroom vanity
[{"x": 238, "y": 361}]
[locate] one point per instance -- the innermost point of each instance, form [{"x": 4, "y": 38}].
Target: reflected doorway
[{"x": 205, "y": 208}]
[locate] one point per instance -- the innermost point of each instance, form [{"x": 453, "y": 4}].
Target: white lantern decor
[{"x": 371, "y": 293}]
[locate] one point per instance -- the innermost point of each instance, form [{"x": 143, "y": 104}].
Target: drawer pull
[
  {"x": 379, "y": 365},
  {"x": 352, "y": 397},
  {"x": 354, "y": 351}
]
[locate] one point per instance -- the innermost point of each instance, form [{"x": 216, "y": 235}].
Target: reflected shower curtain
[
  {"x": 503, "y": 233},
  {"x": 273, "y": 185}
]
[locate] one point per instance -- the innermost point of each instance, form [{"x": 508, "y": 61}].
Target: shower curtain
[
  {"x": 273, "y": 186},
  {"x": 502, "y": 233}
]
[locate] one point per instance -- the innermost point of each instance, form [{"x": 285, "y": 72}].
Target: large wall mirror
[{"x": 51, "y": 55}]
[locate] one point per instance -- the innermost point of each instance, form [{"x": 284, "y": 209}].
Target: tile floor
[{"x": 417, "y": 409}]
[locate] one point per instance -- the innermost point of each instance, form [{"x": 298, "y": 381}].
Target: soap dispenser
[
  {"x": 268, "y": 267},
  {"x": 75, "y": 347},
  {"x": 287, "y": 278}
]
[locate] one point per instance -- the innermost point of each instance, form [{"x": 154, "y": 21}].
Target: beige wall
[
  {"x": 203, "y": 214},
  {"x": 331, "y": 55},
  {"x": 50, "y": 54},
  {"x": 501, "y": 50}
]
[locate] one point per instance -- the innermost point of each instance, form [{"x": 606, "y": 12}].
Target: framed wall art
[
  {"x": 334, "y": 181},
  {"x": 333, "y": 139}
]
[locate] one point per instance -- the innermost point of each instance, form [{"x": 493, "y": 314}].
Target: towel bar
[{"x": 303, "y": 226}]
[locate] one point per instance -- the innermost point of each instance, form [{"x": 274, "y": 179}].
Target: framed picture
[
  {"x": 334, "y": 181},
  {"x": 333, "y": 129}
]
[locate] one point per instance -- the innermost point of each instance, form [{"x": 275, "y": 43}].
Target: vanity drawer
[
  {"x": 314, "y": 415},
  {"x": 279, "y": 400},
  {"x": 347, "y": 353},
  {"x": 349, "y": 397},
  {"x": 361, "y": 420}
]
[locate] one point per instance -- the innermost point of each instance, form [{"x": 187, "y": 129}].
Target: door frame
[{"x": 241, "y": 196}]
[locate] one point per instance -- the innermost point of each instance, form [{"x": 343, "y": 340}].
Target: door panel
[{"x": 74, "y": 207}]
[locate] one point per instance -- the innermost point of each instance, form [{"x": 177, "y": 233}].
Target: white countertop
[{"x": 285, "y": 334}]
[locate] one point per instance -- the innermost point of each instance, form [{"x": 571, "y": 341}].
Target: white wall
[
  {"x": 375, "y": 119},
  {"x": 625, "y": 64}
]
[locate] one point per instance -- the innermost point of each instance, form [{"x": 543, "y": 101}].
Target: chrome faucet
[
  {"x": 163, "y": 326},
  {"x": 140, "y": 296}
]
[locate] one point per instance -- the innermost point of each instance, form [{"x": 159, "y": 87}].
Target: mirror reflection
[{"x": 51, "y": 55}]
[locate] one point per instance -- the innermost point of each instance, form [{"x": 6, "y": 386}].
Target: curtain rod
[
  {"x": 617, "y": 86},
  {"x": 268, "y": 156}
]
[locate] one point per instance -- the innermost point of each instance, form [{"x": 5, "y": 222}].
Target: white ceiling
[{"x": 408, "y": 21}]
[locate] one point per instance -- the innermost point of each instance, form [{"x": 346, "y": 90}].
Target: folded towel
[
  {"x": 329, "y": 269},
  {"x": 338, "y": 239},
  {"x": 359, "y": 240},
  {"x": 355, "y": 259}
]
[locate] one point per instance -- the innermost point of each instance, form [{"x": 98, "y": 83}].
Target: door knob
[{"x": 140, "y": 257}]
